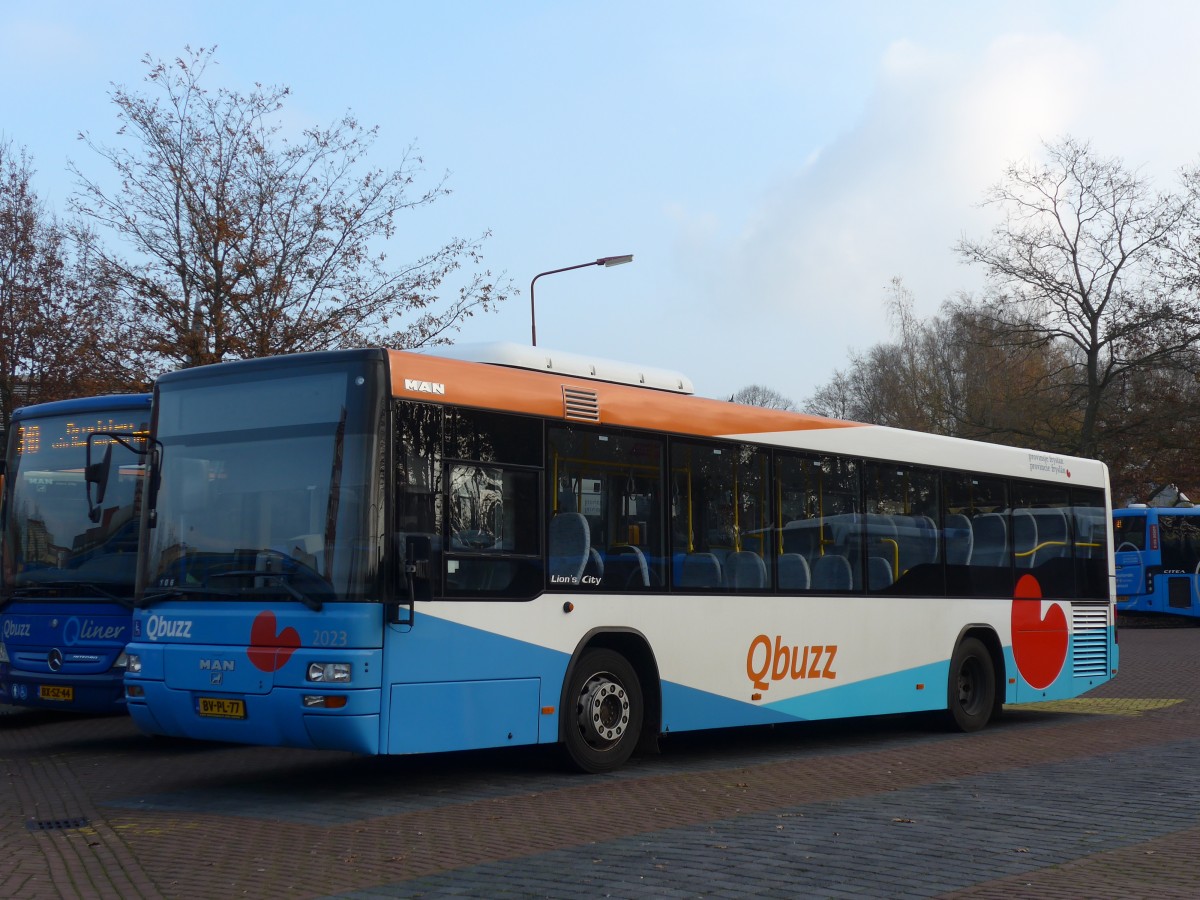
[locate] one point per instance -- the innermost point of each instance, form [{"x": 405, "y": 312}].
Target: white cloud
[{"x": 892, "y": 196}]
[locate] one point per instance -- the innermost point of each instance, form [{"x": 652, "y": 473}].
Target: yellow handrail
[
  {"x": 1033, "y": 550},
  {"x": 895, "y": 554}
]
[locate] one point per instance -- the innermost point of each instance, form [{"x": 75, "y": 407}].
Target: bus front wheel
[
  {"x": 604, "y": 711},
  {"x": 972, "y": 688}
]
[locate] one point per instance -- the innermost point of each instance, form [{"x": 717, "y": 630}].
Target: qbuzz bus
[
  {"x": 391, "y": 552},
  {"x": 1158, "y": 560},
  {"x": 67, "y": 578}
]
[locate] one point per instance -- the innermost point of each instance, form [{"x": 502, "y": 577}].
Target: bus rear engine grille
[{"x": 1090, "y": 625}]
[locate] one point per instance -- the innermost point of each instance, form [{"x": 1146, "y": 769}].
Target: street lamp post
[{"x": 605, "y": 261}]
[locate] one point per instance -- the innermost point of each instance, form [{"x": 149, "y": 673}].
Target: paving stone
[{"x": 1094, "y": 797}]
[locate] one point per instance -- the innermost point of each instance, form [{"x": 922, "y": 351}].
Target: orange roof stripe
[{"x": 487, "y": 386}]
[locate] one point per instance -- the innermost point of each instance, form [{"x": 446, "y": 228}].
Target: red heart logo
[
  {"x": 1039, "y": 643},
  {"x": 268, "y": 650}
]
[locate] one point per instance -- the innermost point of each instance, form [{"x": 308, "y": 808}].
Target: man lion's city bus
[
  {"x": 1157, "y": 559},
  {"x": 66, "y": 594},
  {"x": 388, "y": 552}
]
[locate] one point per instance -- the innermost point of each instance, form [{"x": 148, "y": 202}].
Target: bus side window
[
  {"x": 605, "y": 516},
  {"x": 418, "y": 478},
  {"x": 721, "y": 526},
  {"x": 1042, "y": 543},
  {"x": 1091, "y": 543},
  {"x": 977, "y": 536},
  {"x": 492, "y": 522},
  {"x": 1129, "y": 532},
  {"x": 902, "y": 537},
  {"x": 493, "y": 505},
  {"x": 818, "y": 526}
]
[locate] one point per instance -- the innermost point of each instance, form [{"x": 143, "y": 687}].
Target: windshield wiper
[
  {"x": 174, "y": 593},
  {"x": 282, "y": 580},
  {"x": 33, "y": 590}
]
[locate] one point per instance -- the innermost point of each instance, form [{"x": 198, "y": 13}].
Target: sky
[{"x": 772, "y": 166}]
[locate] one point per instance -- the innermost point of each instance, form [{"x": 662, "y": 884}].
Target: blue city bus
[
  {"x": 390, "y": 553},
  {"x": 69, "y": 564},
  {"x": 1157, "y": 559}
]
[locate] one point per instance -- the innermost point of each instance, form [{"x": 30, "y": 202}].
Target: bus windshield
[
  {"x": 265, "y": 486},
  {"x": 51, "y": 545}
]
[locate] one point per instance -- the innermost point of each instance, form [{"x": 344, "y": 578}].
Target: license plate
[
  {"x": 222, "y": 708},
  {"x": 56, "y": 692}
]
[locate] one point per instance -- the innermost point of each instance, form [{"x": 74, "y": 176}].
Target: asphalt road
[{"x": 1096, "y": 797}]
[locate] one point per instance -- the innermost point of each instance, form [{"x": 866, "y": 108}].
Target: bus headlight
[
  {"x": 329, "y": 672},
  {"x": 3, "y": 653},
  {"x": 122, "y": 661},
  {"x": 133, "y": 663}
]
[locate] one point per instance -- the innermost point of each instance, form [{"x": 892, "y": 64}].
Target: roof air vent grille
[{"x": 581, "y": 404}]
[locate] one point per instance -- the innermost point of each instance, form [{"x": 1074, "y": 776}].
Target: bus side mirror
[
  {"x": 415, "y": 577},
  {"x": 97, "y": 474},
  {"x": 418, "y": 549},
  {"x": 154, "y": 462}
]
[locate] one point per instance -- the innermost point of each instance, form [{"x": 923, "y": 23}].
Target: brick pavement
[{"x": 1096, "y": 798}]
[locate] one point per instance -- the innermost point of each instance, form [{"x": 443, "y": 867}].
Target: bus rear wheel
[
  {"x": 972, "y": 687},
  {"x": 603, "y": 712}
]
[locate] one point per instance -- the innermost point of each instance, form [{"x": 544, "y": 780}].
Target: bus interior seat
[
  {"x": 832, "y": 573},
  {"x": 879, "y": 526},
  {"x": 879, "y": 573},
  {"x": 745, "y": 571},
  {"x": 700, "y": 570},
  {"x": 1054, "y": 537},
  {"x": 570, "y": 546},
  {"x": 960, "y": 540},
  {"x": 595, "y": 563},
  {"x": 1090, "y": 536},
  {"x": 916, "y": 542},
  {"x": 991, "y": 540},
  {"x": 803, "y": 536},
  {"x": 627, "y": 566},
  {"x": 793, "y": 572},
  {"x": 1025, "y": 537},
  {"x": 928, "y": 531},
  {"x": 881, "y": 537}
]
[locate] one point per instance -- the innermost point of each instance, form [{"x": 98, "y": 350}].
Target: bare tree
[
  {"x": 1078, "y": 262},
  {"x": 913, "y": 381},
  {"x": 952, "y": 373},
  {"x": 758, "y": 395},
  {"x": 245, "y": 242},
  {"x": 837, "y": 398},
  {"x": 57, "y": 337},
  {"x": 26, "y": 263}
]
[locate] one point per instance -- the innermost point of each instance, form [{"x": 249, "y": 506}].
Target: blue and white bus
[
  {"x": 1158, "y": 560},
  {"x": 389, "y": 552},
  {"x": 67, "y": 579}
]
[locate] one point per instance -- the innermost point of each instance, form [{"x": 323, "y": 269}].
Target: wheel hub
[{"x": 603, "y": 710}]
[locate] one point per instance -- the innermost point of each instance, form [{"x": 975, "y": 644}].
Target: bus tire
[
  {"x": 603, "y": 711},
  {"x": 972, "y": 688}
]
